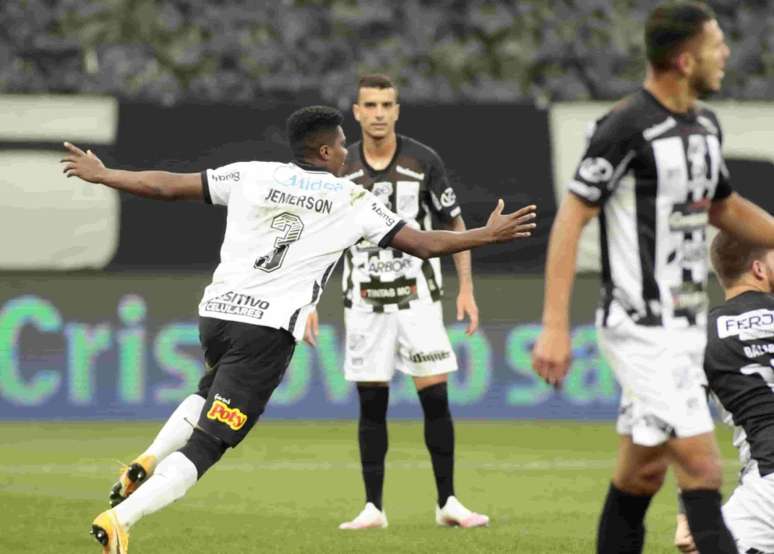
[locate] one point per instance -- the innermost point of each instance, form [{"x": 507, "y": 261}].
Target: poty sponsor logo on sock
[{"x": 232, "y": 417}]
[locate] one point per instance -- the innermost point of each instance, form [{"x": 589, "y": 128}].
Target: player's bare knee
[
  {"x": 650, "y": 480},
  {"x": 703, "y": 471},
  {"x": 644, "y": 480}
]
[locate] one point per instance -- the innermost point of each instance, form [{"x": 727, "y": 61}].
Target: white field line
[{"x": 294, "y": 465}]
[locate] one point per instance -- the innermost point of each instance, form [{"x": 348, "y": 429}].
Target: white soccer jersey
[{"x": 286, "y": 228}]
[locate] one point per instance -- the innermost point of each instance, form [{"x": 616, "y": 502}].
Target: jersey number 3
[{"x": 291, "y": 227}]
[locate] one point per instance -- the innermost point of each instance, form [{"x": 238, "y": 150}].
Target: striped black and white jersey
[
  {"x": 654, "y": 173},
  {"x": 739, "y": 363},
  {"x": 286, "y": 227},
  {"x": 415, "y": 186}
]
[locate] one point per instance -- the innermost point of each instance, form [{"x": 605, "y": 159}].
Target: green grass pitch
[{"x": 289, "y": 485}]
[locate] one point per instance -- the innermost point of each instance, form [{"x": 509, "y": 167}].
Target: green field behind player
[{"x": 290, "y": 484}]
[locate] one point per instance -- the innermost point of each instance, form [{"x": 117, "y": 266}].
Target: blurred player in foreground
[
  {"x": 287, "y": 225},
  {"x": 654, "y": 175},
  {"x": 392, "y": 302},
  {"x": 739, "y": 364}
]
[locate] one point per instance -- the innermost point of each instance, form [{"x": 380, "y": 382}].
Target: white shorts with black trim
[
  {"x": 749, "y": 513},
  {"x": 662, "y": 380},
  {"x": 413, "y": 341}
]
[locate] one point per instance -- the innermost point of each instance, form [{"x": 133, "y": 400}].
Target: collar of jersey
[
  {"x": 371, "y": 170},
  {"x": 685, "y": 116},
  {"x": 309, "y": 167}
]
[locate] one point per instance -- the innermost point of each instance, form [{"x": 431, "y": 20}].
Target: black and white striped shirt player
[
  {"x": 655, "y": 174},
  {"x": 415, "y": 186},
  {"x": 739, "y": 365}
]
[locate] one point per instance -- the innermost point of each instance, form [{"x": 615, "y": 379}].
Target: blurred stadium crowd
[{"x": 440, "y": 51}]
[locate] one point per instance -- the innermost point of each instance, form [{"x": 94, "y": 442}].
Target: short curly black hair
[{"x": 310, "y": 127}]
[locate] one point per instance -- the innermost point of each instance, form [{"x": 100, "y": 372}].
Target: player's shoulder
[
  {"x": 251, "y": 168},
  {"x": 748, "y": 310},
  {"x": 419, "y": 150},
  {"x": 627, "y": 118},
  {"x": 353, "y": 166}
]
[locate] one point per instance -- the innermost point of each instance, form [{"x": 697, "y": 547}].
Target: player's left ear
[
  {"x": 759, "y": 270},
  {"x": 684, "y": 62},
  {"x": 397, "y": 111},
  {"x": 325, "y": 152}
]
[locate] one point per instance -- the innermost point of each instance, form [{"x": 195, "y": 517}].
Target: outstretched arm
[
  {"x": 499, "y": 228},
  {"x": 160, "y": 185},
  {"x": 742, "y": 219}
]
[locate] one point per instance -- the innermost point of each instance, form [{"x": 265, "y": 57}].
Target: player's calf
[{"x": 699, "y": 475}]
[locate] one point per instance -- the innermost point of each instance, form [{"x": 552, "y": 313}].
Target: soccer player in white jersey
[
  {"x": 287, "y": 225},
  {"x": 738, "y": 364},
  {"x": 654, "y": 176},
  {"x": 392, "y": 303}
]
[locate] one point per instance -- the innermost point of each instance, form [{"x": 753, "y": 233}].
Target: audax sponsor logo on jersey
[
  {"x": 319, "y": 205},
  {"x": 233, "y": 417},
  {"x": 756, "y": 324},
  {"x": 233, "y": 303}
]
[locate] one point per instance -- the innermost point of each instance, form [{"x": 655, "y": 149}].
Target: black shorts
[{"x": 245, "y": 363}]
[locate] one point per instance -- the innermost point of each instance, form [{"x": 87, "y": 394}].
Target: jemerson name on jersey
[{"x": 319, "y": 205}]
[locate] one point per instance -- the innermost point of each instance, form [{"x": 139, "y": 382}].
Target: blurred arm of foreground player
[
  {"x": 551, "y": 355},
  {"x": 744, "y": 220}
]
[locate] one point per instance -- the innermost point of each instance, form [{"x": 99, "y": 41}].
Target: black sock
[
  {"x": 372, "y": 437},
  {"x": 439, "y": 438},
  {"x": 705, "y": 519},
  {"x": 621, "y": 526}
]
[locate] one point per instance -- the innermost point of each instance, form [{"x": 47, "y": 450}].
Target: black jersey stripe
[
  {"x": 328, "y": 271},
  {"x": 646, "y": 209},
  {"x": 348, "y": 269},
  {"x": 293, "y": 319},
  {"x": 607, "y": 278},
  {"x": 206, "y": 188},
  {"x": 429, "y": 272}
]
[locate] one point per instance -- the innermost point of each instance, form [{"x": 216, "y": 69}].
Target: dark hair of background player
[
  {"x": 311, "y": 127},
  {"x": 669, "y": 26},
  {"x": 731, "y": 258},
  {"x": 376, "y": 80}
]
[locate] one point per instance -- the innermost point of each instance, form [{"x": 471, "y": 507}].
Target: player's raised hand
[
  {"x": 506, "y": 227},
  {"x": 552, "y": 354},
  {"x": 312, "y": 329},
  {"x": 85, "y": 165}
]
